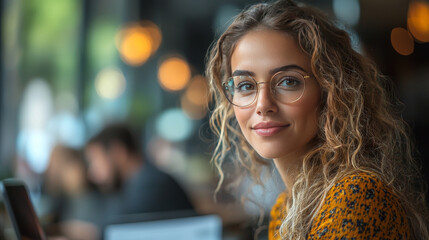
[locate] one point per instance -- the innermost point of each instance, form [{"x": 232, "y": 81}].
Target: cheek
[
  {"x": 242, "y": 116},
  {"x": 305, "y": 114},
  {"x": 306, "y": 117}
]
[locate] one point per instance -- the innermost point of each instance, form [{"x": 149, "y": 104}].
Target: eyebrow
[
  {"x": 239, "y": 72},
  {"x": 242, "y": 72}
]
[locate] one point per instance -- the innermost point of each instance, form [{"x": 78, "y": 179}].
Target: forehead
[{"x": 261, "y": 50}]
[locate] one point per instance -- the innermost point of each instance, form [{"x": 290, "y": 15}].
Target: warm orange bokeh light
[
  {"x": 138, "y": 41},
  {"x": 192, "y": 110},
  {"x": 402, "y": 41},
  {"x": 155, "y": 34},
  {"x": 136, "y": 46},
  {"x": 174, "y": 73},
  {"x": 198, "y": 91},
  {"x": 418, "y": 20}
]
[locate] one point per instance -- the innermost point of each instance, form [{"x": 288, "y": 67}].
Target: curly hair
[{"x": 360, "y": 127}]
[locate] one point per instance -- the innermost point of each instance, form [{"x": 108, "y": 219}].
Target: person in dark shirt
[{"x": 133, "y": 185}]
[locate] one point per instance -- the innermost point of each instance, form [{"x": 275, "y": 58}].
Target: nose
[{"x": 265, "y": 104}]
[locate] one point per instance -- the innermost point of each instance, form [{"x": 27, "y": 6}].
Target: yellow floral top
[{"x": 358, "y": 207}]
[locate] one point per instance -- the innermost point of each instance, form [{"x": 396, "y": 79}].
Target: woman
[{"x": 300, "y": 95}]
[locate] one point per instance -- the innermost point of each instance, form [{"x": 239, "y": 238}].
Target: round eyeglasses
[{"x": 285, "y": 86}]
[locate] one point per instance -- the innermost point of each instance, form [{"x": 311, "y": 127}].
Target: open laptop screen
[{"x": 206, "y": 227}]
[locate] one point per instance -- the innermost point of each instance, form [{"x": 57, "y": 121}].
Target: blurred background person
[
  {"x": 70, "y": 203},
  {"x": 131, "y": 183}
]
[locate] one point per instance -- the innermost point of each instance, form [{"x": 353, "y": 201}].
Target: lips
[{"x": 267, "y": 129}]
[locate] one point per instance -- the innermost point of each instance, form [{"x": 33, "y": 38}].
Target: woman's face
[{"x": 275, "y": 129}]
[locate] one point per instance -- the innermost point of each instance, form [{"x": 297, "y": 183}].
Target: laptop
[
  {"x": 20, "y": 210},
  {"x": 178, "y": 225}
]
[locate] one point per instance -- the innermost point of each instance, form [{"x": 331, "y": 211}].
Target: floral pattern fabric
[{"x": 358, "y": 207}]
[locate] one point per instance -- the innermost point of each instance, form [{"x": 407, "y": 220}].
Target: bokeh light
[
  {"x": 198, "y": 91},
  {"x": 418, "y": 20},
  {"x": 402, "y": 41},
  {"x": 136, "y": 46},
  {"x": 195, "y": 100},
  {"x": 173, "y": 125},
  {"x": 34, "y": 141},
  {"x": 155, "y": 34},
  {"x": 347, "y": 11},
  {"x": 37, "y": 105},
  {"x": 192, "y": 110},
  {"x": 174, "y": 73},
  {"x": 110, "y": 83},
  {"x": 137, "y": 42},
  {"x": 37, "y": 145}
]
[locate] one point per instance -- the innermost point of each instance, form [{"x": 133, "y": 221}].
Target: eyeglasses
[{"x": 285, "y": 86}]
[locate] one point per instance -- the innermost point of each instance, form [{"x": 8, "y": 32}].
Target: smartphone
[{"x": 20, "y": 210}]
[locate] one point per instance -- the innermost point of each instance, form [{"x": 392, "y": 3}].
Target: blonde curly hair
[{"x": 360, "y": 128}]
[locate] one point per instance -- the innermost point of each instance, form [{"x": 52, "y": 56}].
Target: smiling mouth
[{"x": 269, "y": 131}]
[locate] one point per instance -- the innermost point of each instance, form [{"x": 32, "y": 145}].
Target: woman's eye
[
  {"x": 289, "y": 82},
  {"x": 245, "y": 86}
]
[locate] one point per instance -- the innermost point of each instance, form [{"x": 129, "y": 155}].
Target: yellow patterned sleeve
[{"x": 360, "y": 207}]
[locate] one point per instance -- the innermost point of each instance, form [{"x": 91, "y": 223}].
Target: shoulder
[
  {"x": 361, "y": 188},
  {"x": 360, "y": 206},
  {"x": 166, "y": 184},
  {"x": 150, "y": 172}
]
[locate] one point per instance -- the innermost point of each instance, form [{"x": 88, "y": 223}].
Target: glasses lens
[
  {"x": 288, "y": 86},
  {"x": 240, "y": 90}
]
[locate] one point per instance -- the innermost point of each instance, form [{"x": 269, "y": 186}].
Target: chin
[
  {"x": 279, "y": 150},
  {"x": 268, "y": 153}
]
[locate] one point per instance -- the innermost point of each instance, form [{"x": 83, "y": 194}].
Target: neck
[{"x": 289, "y": 167}]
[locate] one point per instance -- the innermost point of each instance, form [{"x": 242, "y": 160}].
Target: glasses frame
[{"x": 267, "y": 82}]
